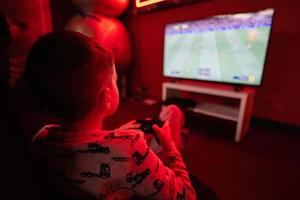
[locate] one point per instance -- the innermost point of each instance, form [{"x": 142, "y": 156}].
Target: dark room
[{"x": 150, "y": 99}]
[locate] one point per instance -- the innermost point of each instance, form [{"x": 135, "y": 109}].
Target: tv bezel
[{"x": 223, "y": 82}]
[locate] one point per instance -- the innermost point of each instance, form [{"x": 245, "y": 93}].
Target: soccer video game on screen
[{"x": 227, "y": 48}]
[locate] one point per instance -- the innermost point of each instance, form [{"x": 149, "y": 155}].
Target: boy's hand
[
  {"x": 165, "y": 136},
  {"x": 167, "y": 112},
  {"x": 130, "y": 125}
]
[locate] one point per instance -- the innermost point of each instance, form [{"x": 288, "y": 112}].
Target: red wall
[
  {"x": 37, "y": 17},
  {"x": 277, "y": 99}
]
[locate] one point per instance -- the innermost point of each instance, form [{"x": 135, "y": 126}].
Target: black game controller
[{"x": 146, "y": 126}]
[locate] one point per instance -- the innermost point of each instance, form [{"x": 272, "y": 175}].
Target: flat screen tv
[{"x": 225, "y": 48}]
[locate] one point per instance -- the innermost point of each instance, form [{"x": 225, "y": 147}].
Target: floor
[{"x": 264, "y": 166}]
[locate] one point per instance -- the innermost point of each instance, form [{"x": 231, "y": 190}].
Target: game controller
[{"x": 146, "y": 126}]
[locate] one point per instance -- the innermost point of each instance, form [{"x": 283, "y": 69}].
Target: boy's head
[{"x": 71, "y": 74}]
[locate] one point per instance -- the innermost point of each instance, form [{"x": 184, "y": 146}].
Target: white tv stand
[{"x": 240, "y": 114}]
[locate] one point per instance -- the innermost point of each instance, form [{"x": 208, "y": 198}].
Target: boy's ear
[{"x": 108, "y": 97}]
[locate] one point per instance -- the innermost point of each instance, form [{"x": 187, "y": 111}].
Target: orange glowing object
[{"x": 141, "y": 3}]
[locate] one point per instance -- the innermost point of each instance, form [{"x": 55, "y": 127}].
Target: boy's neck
[{"x": 87, "y": 123}]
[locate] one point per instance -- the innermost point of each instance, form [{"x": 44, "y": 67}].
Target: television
[{"x": 225, "y": 48}]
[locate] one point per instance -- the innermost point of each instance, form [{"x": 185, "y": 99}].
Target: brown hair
[{"x": 66, "y": 71}]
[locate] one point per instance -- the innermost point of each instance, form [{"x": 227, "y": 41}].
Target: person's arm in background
[{"x": 5, "y": 40}]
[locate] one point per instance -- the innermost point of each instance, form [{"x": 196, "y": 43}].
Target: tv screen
[{"x": 225, "y": 48}]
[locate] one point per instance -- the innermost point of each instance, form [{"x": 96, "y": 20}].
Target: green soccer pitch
[{"x": 234, "y": 56}]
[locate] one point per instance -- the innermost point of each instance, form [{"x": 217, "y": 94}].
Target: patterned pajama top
[{"x": 115, "y": 164}]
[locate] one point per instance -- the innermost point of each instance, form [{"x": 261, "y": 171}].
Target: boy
[{"x": 75, "y": 78}]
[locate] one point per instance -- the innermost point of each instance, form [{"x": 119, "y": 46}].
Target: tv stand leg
[{"x": 244, "y": 117}]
